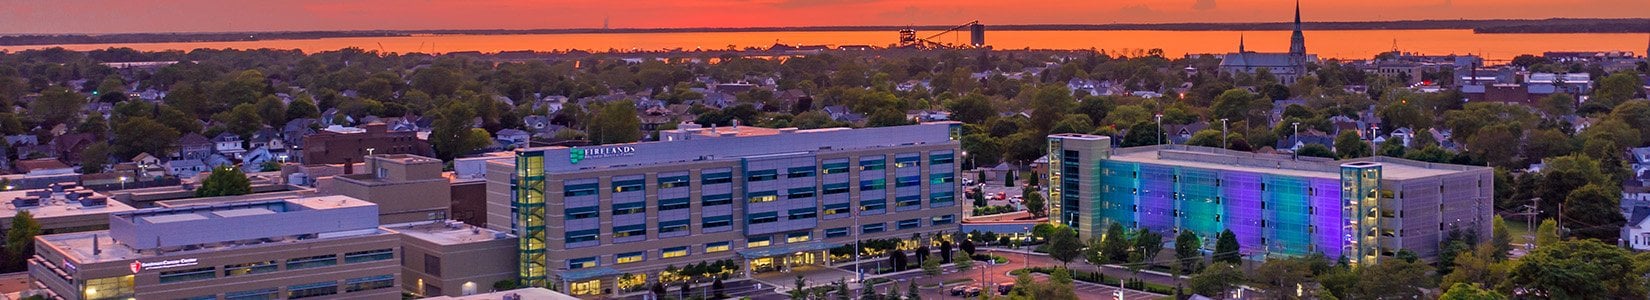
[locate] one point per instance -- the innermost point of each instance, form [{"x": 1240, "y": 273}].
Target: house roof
[
  {"x": 1638, "y": 215},
  {"x": 226, "y": 137},
  {"x": 193, "y": 139},
  {"x": 40, "y": 164}
]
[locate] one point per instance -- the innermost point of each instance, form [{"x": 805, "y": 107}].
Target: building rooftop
[
  {"x": 165, "y": 231},
  {"x": 53, "y": 202},
  {"x": 1215, "y": 158},
  {"x": 563, "y": 159},
  {"x": 447, "y": 232}
]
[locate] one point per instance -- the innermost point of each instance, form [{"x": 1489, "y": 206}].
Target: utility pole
[
  {"x": 1223, "y": 134},
  {"x": 1294, "y": 139}
]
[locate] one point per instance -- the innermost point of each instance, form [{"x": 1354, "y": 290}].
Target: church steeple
[
  {"x": 1240, "y": 43},
  {"x": 1297, "y": 41}
]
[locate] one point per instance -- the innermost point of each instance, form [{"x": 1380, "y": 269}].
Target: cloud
[
  {"x": 1136, "y": 10},
  {"x": 1207, "y": 5}
]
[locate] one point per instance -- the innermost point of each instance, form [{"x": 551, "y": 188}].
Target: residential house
[
  {"x": 228, "y": 144},
  {"x": 842, "y": 114},
  {"x": 267, "y": 137},
  {"x": 1181, "y": 133},
  {"x": 193, "y": 146},
  {"x": 185, "y": 168},
  {"x": 338, "y": 145},
  {"x": 217, "y": 161},
  {"x": 69, "y": 146},
  {"x": 22, "y": 139},
  {"x": 254, "y": 160},
  {"x": 145, "y": 160},
  {"x": 511, "y": 138},
  {"x": 1309, "y": 136},
  {"x": 1636, "y": 234}
]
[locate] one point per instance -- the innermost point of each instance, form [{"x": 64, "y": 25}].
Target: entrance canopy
[{"x": 787, "y": 249}]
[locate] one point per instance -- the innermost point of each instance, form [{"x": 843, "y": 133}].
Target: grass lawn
[{"x": 1520, "y": 233}]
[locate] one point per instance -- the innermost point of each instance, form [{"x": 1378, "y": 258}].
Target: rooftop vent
[{"x": 21, "y": 202}]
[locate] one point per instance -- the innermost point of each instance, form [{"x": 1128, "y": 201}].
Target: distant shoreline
[{"x": 1555, "y": 26}]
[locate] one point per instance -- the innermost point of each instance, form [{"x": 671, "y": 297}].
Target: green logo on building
[{"x": 575, "y": 155}]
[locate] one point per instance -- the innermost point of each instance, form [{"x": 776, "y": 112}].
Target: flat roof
[
  {"x": 78, "y": 246},
  {"x": 561, "y": 159},
  {"x": 448, "y": 232},
  {"x": 58, "y": 206},
  {"x": 1220, "y": 159}
]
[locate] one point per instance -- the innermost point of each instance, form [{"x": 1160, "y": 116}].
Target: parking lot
[{"x": 1092, "y": 291}]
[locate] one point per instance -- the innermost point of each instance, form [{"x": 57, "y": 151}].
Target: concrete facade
[
  {"x": 450, "y": 258},
  {"x": 344, "y": 145},
  {"x": 407, "y": 188}
]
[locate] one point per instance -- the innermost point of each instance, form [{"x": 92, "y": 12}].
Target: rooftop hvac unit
[{"x": 22, "y": 202}]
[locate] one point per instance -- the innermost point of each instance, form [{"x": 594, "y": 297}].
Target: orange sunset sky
[{"x": 115, "y": 16}]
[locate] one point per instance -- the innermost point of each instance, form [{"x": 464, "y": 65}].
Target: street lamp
[
  {"x": 122, "y": 182},
  {"x": 1223, "y": 134},
  {"x": 1159, "y": 118}
]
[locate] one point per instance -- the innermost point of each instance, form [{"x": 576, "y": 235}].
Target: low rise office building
[
  {"x": 60, "y": 208},
  {"x": 321, "y": 248},
  {"x": 605, "y": 220},
  {"x": 450, "y": 258}
]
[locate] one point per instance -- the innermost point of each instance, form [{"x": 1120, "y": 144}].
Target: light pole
[
  {"x": 1159, "y": 118},
  {"x": 122, "y": 182},
  {"x": 857, "y": 249},
  {"x": 1223, "y": 134}
]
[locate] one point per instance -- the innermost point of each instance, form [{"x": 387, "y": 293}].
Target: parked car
[{"x": 1004, "y": 288}]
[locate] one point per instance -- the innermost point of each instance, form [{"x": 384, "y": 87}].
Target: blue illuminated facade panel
[{"x": 1270, "y": 214}]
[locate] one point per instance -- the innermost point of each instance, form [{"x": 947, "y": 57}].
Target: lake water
[{"x": 1344, "y": 44}]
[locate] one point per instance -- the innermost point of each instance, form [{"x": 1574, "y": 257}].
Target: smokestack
[
  {"x": 97, "y": 247},
  {"x": 349, "y": 166}
]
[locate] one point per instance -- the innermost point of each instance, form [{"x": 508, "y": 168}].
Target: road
[{"x": 1000, "y": 273}]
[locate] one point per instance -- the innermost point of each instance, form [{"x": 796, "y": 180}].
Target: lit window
[
  {"x": 758, "y": 242},
  {"x": 798, "y": 237},
  {"x": 674, "y": 252},
  {"x": 718, "y": 247},
  {"x": 625, "y": 258}
]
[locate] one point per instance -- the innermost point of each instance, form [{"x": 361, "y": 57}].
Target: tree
[
  {"x": 57, "y": 105},
  {"x": 1280, "y": 276},
  {"x": 972, "y": 108},
  {"x": 1206, "y": 138},
  {"x": 1614, "y": 89},
  {"x": 1558, "y": 104},
  {"x": 94, "y": 125},
  {"x": 1393, "y": 279},
  {"x": 272, "y": 111},
  {"x": 1064, "y": 246},
  {"x": 1578, "y": 269},
  {"x": 962, "y": 261},
  {"x": 886, "y": 118},
  {"x": 1546, "y": 233},
  {"x": 1594, "y": 212},
  {"x": 1350, "y": 145},
  {"x": 1239, "y": 104},
  {"x": 897, "y": 258},
  {"x": 242, "y": 120},
  {"x": 800, "y": 291},
  {"x": 1115, "y": 244},
  {"x": 452, "y": 135},
  {"x": 1226, "y": 248},
  {"x": 911, "y": 292},
  {"x": 1049, "y": 104},
  {"x": 94, "y": 158},
  {"x": 1188, "y": 250},
  {"x": 303, "y": 107},
  {"x": 1316, "y": 150},
  {"x": 20, "y": 241},
  {"x": 1462, "y": 291},
  {"x": 224, "y": 181},
  {"x": 616, "y": 123},
  {"x": 931, "y": 264},
  {"x": 1073, "y": 123},
  {"x": 1146, "y": 245},
  {"x": 1500, "y": 238},
  {"x": 1142, "y": 134},
  {"x": 1035, "y": 204},
  {"x": 1477, "y": 268},
  {"x": 1216, "y": 279},
  {"x": 142, "y": 135}
]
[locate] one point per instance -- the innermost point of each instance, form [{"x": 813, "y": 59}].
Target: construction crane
[{"x": 908, "y": 37}]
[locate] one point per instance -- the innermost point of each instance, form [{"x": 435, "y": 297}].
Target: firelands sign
[
  {"x": 575, "y": 155},
  {"x": 138, "y": 266}
]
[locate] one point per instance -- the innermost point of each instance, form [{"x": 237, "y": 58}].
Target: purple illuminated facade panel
[
  {"x": 1326, "y": 217},
  {"x": 1157, "y": 198},
  {"x": 1241, "y": 196}
]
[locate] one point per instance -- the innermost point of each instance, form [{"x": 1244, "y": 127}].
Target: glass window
[
  {"x": 872, "y": 185},
  {"x": 714, "y": 200},
  {"x": 576, "y": 213},
  {"x": 629, "y": 230},
  {"x": 759, "y": 197},
  {"x": 834, "y": 168},
  {"x": 630, "y": 257},
  {"x": 251, "y": 268},
  {"x": 718, "y": 247},
  {"x": 121, "y": 287},
  {"x": 366, "y": 256},
  {"x": 798, "y": 237},
  {"x": 575, "y": 190},
  {"x": 717, "y": 221},
  {"x": 620, "y": 209},
  {"x": 369, "y": 283},
  {"x": 836, "y": 208},
  {"x": 582, "y": 235},
  {"x": 674, "y": 252},
  {"x": 258, "y": 294},
  {"x": 580, "y": 263},
  {"x": 939, "y": 159},
  {"x": 761, "y": 175},
  {"x": 757, "y": 242},
  {"x": 912, "y": 201},
  {"x": 836, "y": 232},
  {"x": 762, "y": 218},
  {"x": 878, "y": 163},
  {"x": 943, "y": 220},
  {"x": 716, "y": 177},
  {"x": 942, "y": 178},
  {"x": 872, "y": 228},
  {"x": 587, "y": 288},
  {"x": 676, "y": 203},
  {"x": 312, "y": 262},
  {"x": 908, "y": 224},
  {"x": 633, "y": 185},
  {"x": 673, "y": 226},
  {"x": 942, "y": 199},
  {"x": 800, "y": 172},
  {"x": 802, "y": 213},
  {"x": 312, "y": 290},
  {"x": 800, "y": 193},
  {"x": 673, "y": 182},
  {"x": 836, "y": 188},
  {"x": 907, "y": 161},
  {"x": 873, "y": 204},
  {"x": 908, "y": 181}
]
